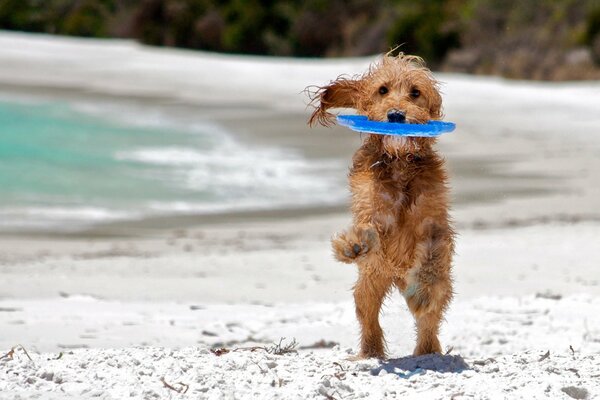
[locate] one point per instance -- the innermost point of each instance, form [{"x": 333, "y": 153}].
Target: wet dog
[{"x": 401, "y": 235}]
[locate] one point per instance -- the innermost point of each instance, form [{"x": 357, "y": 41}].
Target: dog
[{"x": 401, "y": 235}]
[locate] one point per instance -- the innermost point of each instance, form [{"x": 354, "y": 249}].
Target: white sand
[
  {"x": 498, "y": 347},
  {"x": 527, "y": 276},
  {"x": 520, "y": 293},
  {"x": 496, "y": 362}
]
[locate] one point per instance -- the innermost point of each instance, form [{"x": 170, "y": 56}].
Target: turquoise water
[
  {"x": 50, "y": 155},
  {"x": 61, "y": 168}
]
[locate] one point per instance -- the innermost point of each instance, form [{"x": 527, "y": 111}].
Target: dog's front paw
[{"x": 356, "y": 243}]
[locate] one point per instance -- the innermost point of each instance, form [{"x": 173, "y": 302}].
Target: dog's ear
[
  {"x": 435, "y": 105},
  {"x": 342, "y": 92}
]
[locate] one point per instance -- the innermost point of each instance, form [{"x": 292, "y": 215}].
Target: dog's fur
[{"x": 401, "y": 234}]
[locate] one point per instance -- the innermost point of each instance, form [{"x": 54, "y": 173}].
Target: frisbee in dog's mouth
[{"x": 361, "y": 123}]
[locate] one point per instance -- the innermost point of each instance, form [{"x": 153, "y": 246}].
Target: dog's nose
[{"x": 396, "y": 116}]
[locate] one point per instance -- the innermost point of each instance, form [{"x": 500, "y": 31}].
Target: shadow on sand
[{"x": 406, "y": 367}]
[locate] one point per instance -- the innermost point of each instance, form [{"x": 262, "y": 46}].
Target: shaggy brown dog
[{"x": 401, "y": 234}]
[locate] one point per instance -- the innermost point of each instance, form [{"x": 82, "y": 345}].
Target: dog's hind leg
[
  {"x": 427, "y": 303},
  {"x": 427, "y": 299},
  {"x": 428, "y": 291},
  {"x": 369, "y": 293},
  {"x": 428, "y": 325}
]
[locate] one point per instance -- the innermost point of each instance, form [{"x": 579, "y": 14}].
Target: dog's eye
[
  {"x": 414, "y": 93},
  {"x": 383, "y": 90}
]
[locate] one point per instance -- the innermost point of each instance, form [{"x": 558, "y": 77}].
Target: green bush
[
  {"x": 87, "y": 18},
  {"x": 489, "y": 32},
  {"x": 424, "y": 28},
  {"x": 22, "y": 15},
  {"x": 592, "y": 24}
]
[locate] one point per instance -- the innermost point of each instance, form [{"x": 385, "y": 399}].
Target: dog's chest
[
  {"x": 380, "y": 194},
  {"x": 388, "y": 203}
]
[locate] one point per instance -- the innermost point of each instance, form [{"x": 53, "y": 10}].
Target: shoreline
[{"x": 160, "y": 225}]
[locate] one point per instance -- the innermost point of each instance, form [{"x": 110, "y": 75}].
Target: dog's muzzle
[{"x": 396, "y": 116}]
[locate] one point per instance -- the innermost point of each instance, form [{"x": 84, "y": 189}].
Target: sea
[{"x": 64, "y": 168}]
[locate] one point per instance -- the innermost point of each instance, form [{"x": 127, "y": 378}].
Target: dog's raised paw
[{"x": 355, "y": 243}]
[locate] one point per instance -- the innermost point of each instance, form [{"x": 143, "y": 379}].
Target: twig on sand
[
  {"x": 337, "y": 364},
  {"x": 220, "y": 351},
  {"x": 329, "y": 396},
  {"x": 321, "y": 344},
  {"x": 340, "y": 375},
  {"x": 280, "y": 382},
  {"x": 11, "y": 353},
  {"x": 277, "y": 349},
  {"x": 60, "y": 355},
  {"x": 542, "y": 358},
  {"x": 181, "y": 387},
  {"x": 250, "y": 348},
  {"x": 553, "y": 370},
  {"x": 262, "y": 370},
  {"x": 25, "y": 351}
]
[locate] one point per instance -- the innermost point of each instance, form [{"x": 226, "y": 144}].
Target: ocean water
[{"x": 64, "y": 169}]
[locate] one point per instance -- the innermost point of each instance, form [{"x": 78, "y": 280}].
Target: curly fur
[{"x": 401, "y": 234}]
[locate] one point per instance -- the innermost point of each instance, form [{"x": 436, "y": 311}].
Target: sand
[
  {"x": 127, "y": 304},
  {"x": 536, "y": 347}
]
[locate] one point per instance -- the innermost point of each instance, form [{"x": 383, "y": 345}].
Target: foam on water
[{"x": 61, "y": 168}]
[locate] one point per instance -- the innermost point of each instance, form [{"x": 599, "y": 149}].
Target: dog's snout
[{"x": 396, "y": 116}]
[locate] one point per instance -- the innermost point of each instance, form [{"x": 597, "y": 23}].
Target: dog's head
[{"x": 396, "y": 89}]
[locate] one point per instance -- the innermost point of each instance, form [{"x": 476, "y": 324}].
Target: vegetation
[{"x": 557, "y": 39}]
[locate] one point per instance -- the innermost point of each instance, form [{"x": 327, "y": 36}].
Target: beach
[{"x": 141, "y": 300}]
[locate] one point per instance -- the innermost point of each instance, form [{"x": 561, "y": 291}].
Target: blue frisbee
[{"x": 361, "y": 123}]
